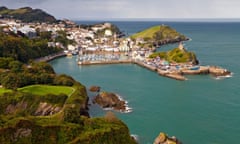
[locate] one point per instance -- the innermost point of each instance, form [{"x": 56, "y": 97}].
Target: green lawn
[
  {"x": 3, "y": 90},
  {"x": 46, "y": 89}
]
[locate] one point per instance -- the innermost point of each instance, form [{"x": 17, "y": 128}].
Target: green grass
[
  {"x": 19, "y": 11},
  {"x": 46, "y": 89},
  {"x": 176, "y": 55},
  {"x": 150, "y": 33},
  {"x": 147, "y": 33},
  {"x": 3, "y": 90}
]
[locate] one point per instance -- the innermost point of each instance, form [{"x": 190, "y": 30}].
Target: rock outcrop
[
  {"x": 162, "y": 138},
  {"x": 45, "y": 109},
  {"x": 218, "y": 72},
  {"x": 13, "y": 108},
  {"x": 110, "y": 100},
  {"x": 95, "y": 88}
]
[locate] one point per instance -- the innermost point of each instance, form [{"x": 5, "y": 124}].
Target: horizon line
[{"x": 161, "y": 19}]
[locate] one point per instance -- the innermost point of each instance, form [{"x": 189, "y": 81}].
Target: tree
[
  {"x": 11, "y": 81},
  {"x": 63, "y": 80},
  {"x": 72, "y": 115},
  {"x": 23, "y": 48},
  {"x": 15, "y": 66},
  {"x": 45, "y": 35},
  {"x": 4, "y": 62}
]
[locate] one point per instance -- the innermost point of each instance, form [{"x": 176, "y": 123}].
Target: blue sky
[{"x": 109, "y": 9}]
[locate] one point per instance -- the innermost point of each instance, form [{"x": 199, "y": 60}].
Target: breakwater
[{"x": 177, "y": 74}]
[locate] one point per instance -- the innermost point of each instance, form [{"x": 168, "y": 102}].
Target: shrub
[{"x": 63, "y": 80}]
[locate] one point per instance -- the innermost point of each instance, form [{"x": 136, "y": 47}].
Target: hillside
[
  {"x": 53, "y": 111},
  {"x": 177, "y": 55},
  {"x": 23, "y": 48},
  {"x": 34, "y": 119},
  {"x": 159, "y": 35},
  {"x": 27, "y": 14}
]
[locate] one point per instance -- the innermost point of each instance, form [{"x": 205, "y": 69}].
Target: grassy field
[
  {"x": 166, "y": 32},
  {"x": 147, "y": 33},
  {"x": 46, "y": 89}
]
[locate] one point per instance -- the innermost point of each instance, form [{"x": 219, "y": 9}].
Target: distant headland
[{"x": 27, "y": 14}]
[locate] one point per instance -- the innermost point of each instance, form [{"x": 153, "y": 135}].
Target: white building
[
  {"x": 108, "y": 33},
  {"x": 28, "y": 31}
]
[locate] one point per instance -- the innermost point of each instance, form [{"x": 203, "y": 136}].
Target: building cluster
[{"x": 88, "y": 39}]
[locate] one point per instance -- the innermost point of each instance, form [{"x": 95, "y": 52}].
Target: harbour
[
  {"x": 174, "y": 71},
  {"x": 201, "y": 109}
]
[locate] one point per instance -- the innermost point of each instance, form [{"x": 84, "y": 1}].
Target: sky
[{"x": 137, "y": 9}]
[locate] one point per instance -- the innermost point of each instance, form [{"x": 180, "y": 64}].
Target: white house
[
  {"x": 71, "y": 47},
  {"x": 29, "y": 32},
  {"x": 108, "y": 33}
]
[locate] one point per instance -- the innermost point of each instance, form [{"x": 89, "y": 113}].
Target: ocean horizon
[
  {"x": 202, "y": 109},
  {"x": 157, "y": 19}
]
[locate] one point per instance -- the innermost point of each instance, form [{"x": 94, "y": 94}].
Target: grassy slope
[
  {"x": 17, "y": 11},
  {"x": 166, "y": 31},
  {"x": 28, "y": 14},
  {"x": 3, "y": 90},
  {"x": 176, "y": 55},
  {"x": 146, "y": 33},
  {"x": 46, "y": 89}
]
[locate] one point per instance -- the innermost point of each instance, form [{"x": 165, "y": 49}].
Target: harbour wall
[{"x": 174, "y": 74}]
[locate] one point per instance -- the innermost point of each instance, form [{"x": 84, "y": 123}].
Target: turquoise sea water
[{"x": 201, "y": 110}]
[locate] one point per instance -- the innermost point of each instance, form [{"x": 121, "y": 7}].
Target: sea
[{"x": 201, "y": 110}]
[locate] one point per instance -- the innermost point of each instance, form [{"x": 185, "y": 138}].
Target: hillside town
[
  {"x": 105, "y": 44},
  {"x": 99, "y": 37}
]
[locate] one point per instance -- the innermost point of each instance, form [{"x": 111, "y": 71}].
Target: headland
[{"x": 140, "y": 49}]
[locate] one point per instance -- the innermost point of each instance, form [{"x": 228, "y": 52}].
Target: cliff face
[{"x": 27, "y": 14}]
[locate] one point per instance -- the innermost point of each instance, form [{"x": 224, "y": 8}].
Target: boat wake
[
  {"x": 127, "y": 109},
  {"x": 135, "y": 137}
]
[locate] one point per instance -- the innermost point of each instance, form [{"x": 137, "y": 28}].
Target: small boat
[{"x": 194, "y": 68}]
